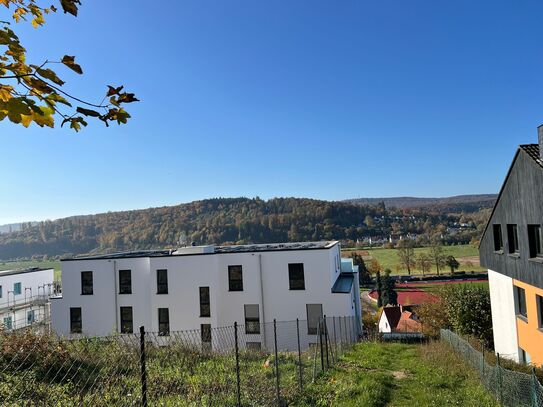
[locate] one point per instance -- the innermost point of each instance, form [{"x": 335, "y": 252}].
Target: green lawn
[
  {"x": 389, "y": 258},
  {"x": 9, "y": 265},
  {"x": 381, "y": 374}
]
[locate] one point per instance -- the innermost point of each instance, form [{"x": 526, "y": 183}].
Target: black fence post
[
  {"x": 534, "y": 388},
  {"x": 237, "y": 363},
  {"x": 500, "y": 384},
  {"x": 143, "y": 369},
  {"x": 326, "y": 342},
  {"x": 335, "y": 339},
  {"x": 340, "y": 336},
  {"x": 299, "y": 356},
  {"x": 320, "y": 343},
  {"x": 277, "y": 390}
]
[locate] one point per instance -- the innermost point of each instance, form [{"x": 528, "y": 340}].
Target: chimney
[{"x": 540, "y": 140}]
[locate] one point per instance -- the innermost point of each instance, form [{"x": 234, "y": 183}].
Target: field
[
  {"x": 9, "y": 265},
  {"x": 392, "y": 374},
  {"x": 466, "y": 255}
]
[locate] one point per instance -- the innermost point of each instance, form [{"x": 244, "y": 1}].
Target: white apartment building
[
  {"x": 204, "y": 287},
  {"x": 24, "y": 296}
]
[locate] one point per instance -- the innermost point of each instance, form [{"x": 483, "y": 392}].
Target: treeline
[{"x": 218, "y": 221}]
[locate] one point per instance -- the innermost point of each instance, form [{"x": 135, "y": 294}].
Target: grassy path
[{"x": 377, "y": 374}]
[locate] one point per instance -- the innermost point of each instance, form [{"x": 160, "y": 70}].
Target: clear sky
[{"x": 322, "y": 99}]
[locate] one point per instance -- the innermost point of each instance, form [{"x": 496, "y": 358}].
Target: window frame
[
  {"x": 539, "y": 304},
  {"x": 521, "y": 307},
  {"x": 498, "y": 237},
  {"x": 127, "y": 287},
  {"x": 161, "y": 322},
  {"x": 74, "y": 320},
  {"x": 235, "y": 284},
  {"x": 28, "y": 314},
  {"x": 129, "y": 322},
  {"x": 512, "y": 239},
  {"x": 17, "y": 288},
  {"x": 292, "y": 270},
  {"x": 203, "y": 303},
  {"x": 160, "y": 290},
  {"x": 83, "y": 291},
  {"x": 1, "y": 293},
  {"x": 9, "y": 325},
  {"x": 252, "y": 324}
]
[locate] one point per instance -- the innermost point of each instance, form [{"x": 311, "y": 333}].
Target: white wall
[
  {"x": 503, "y": 315},
  {"x": 29, "y": 280},
  {"x": 384, "y": 325}
]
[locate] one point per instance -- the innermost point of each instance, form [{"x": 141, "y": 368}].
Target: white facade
[
  {"x": 24, "y": 295},
  {"x": 384, "y": 325},
  {"x": 504, "y": 324},
  {"x": 265, "y": 276}
]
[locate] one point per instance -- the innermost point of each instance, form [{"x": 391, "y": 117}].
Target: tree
[
  {"x": 424, "y": 262},
  {"x": 388, "y": 292},
  {"x": 406, "y": 254},
  {"x": 438, "y": 257},
  {"x": 452, "y": 263},
  {"x": 368, "y": 221},
  {"x": 379, "y": 288},
  {"x": 363, "y": 273},
  {"x": 33, "y": 93},
  {"x": 375, "y": 267}
]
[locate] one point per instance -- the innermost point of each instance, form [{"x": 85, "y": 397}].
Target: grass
[
  {"x": 389, "y": 258},
  {"x": 9, "y": 265},
  {"x": 392, "y": 374}
]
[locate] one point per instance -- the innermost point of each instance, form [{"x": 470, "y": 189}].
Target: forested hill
[{"x": 217, "y": 221}]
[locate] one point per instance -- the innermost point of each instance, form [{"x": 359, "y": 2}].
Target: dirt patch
[
  {"x": 399, "y": 375},
  {"x": 474, "y": 260}
]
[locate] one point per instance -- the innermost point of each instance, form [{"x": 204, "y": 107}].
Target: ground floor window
[
  {"x": 163, "y": 321},
  {"x": 205, "y": 332},
  {"x": 314, "y": 316},
  {"x": 8, "y": 323},
  {"x": 127, "y": 322},
  {"x": 252, "y": 319},
  {"x": 30, "y": 317},
  {"x": 76, "y": 325}
]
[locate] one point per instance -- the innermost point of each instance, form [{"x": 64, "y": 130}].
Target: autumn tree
[
  {"x": 437, "y": 254},
  {"x": 375, "y": 267},
  {"x": 406, "y": 254},
  {"x": 34, "y": 92},
  {"x": 363, "y": 273},
  {"x": 424, "y": 262},
  {"x": 452, "y": 263}
]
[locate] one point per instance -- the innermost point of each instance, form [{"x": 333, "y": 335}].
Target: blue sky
[{"x": 319, "y": 99}]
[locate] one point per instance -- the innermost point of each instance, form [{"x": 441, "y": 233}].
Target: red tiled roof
[
  {"x": 408, "y": 324},
  {"x": 412, "y": 296}
]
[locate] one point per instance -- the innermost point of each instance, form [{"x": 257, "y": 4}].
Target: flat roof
[
  {"x": 247, "y": 248},
  {"x": 23, "y": 271}
]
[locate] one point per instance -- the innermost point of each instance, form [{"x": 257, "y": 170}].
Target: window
[
  {"x": 520, "y": 297},
  {"x": 255, "y": 346},
  {"x": 75, "y": 321},
  {"x": 534, "y": 239},
  {"x": 252, "y": 319},
  {"x": 205, "y": 309},
  {"x": 8, "y": 323},
  {"x": 539, "y": 303},
  {"x": 163, "y": 321},
  {"x": 512, "y": 237},
  {"x": 127, "y": 322},
  {"x": 314, "y": 316},
  {"x": 30, "y": 317},
  {"x": 205, "y": 333},
  {"x": 235, "y": 278},
  {"x": 86, "y": 283},
  {"x": 17, "y": 288},
  {"x": 0, "y": 291},
  {"x": 296, "y": 276},
  {"x": 162, "y": 281},
  {"x": 524, "y": 356},
  {"x": 498, "y": 240},
  {"x": 125, "y": 282}
]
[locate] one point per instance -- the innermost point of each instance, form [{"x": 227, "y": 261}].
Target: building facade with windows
[
  {"x": 204, "y": 287},
  {"x": 511, "y": 248},
  {"x": 24, "y": 296}
]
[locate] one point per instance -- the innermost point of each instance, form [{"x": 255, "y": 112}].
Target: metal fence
[
  {"x": 510, "y": 388},
  {"x": 249, "y": 365}
]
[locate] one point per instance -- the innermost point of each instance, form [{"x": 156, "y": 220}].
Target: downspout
[
  {"x": 116, "y": 296},
  {"x": 262, "y": 299}
]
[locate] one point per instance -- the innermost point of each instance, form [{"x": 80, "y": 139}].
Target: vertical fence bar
[
  {"x": 320, "y": 343},
  {"x": 299, "y": 356},
  {"x": 237, "y": 363},
  {"x": 277, "y": 390},
  {"x": 535, "y": 401},
  {"x": 335, "y": 339},
  {"x": 340, "y": 336},
  {"x": 500, "y": 384},
  {"x": 143, "y": 369},
  {"x": 326, "y": 342}
]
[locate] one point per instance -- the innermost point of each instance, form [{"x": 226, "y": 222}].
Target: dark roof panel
[
  {"x": 343, "y": 284},
  {"x": 533, "y": 151}
]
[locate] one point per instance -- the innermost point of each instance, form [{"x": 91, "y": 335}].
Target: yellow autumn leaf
[{"x": 5, "y": 92}]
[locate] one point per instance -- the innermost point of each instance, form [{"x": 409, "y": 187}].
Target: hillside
[
  {"x": 224, "y": 221},
  {"x": 460, "y": 203}
]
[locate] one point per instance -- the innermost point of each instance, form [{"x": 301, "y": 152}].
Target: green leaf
[
  {"x": 49, "y": 74},
  {"x": 69, "y": 61}
]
